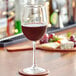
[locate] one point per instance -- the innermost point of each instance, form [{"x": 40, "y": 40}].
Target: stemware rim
[{"x": 33, "y": 5}]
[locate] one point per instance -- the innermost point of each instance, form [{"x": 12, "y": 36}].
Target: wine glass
[{"x": 34, "y": 23}]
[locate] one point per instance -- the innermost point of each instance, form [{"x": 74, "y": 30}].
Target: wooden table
[{"x": 59, "y": 64}]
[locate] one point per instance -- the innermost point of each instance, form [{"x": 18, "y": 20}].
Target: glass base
[{"x": 34, "y": 71}]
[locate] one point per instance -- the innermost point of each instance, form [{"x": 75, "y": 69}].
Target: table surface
[{"x": 59, "y": 64}]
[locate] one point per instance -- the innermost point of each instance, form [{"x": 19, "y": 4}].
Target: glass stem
[{"x": 34, "y": 49}]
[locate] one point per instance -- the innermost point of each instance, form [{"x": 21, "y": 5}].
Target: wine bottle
[
  {"x": 74, "y": 10},
  {"x": 18, "y": 27},
  {"x": 17, "y": 17},
  {"x": 53, "y": 13}
]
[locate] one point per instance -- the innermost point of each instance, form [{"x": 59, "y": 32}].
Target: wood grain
[{"x": 58, "y": 63}]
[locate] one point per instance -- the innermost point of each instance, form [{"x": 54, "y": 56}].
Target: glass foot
[{"x": 37, "y": 71}]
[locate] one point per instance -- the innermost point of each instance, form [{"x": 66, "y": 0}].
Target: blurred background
[{"x": 60, "y": 14}]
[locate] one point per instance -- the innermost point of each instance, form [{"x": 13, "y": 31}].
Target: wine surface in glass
[{"x": 34, "y": 31}]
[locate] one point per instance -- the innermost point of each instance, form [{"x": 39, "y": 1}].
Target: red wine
[{"x": 34, "y": 31}]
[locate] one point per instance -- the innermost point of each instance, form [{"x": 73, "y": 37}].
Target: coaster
[{"x": 21, "y": 72}]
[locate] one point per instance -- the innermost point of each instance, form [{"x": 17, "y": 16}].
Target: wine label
[
  {"x": 53, "y": 18},
  {"x": 3, "y": 22},
  {"x": 3, "y": 26}
]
